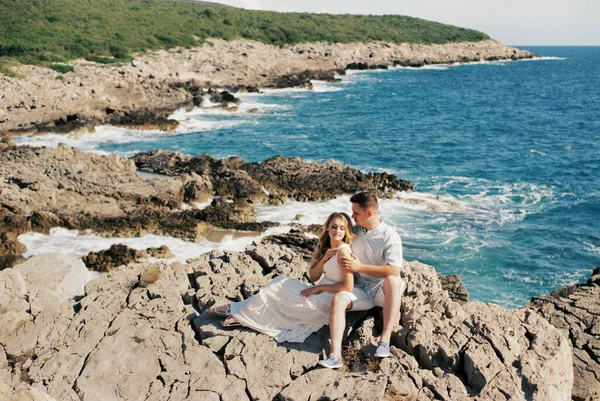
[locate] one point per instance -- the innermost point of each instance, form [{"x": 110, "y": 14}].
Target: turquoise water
[{"x": 504, "y": 157}]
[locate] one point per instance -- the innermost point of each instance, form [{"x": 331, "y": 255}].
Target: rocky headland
[{"x": 144, "y": 92}]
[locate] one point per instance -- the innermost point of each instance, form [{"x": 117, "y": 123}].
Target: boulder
[
  {"x": 63, "y": 277},
  {"x": 296, "y": 240},
  {"x": 456, "y": 290},
  {"x": 197, "y": 188},
  {"x": 575, "y": 311},
  {"x": 116, "y": 255},
  {"x": 162, "y": 252}
]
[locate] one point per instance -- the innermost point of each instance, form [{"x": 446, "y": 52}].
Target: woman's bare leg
[{"x": 337, "y": 322}]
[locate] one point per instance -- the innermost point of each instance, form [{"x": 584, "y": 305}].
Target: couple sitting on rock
[{"x": 289, "y": 310}]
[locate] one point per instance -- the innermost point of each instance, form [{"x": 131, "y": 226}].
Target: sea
[{"x": 504, "y": 157}]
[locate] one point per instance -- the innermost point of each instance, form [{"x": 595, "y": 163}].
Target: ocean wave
[
  {"x": 111, "y": 135},
  {"x": 74, "y": 243},
  {"x": 105, "y": 134},
  {"x": 431, "y": 202},
  {"x": 591, "y": 247},
  {"x": 303, "y": 212},
  {"x": 323, "y": 86},
  {"x": 544, "y": 58},
  {"x": 500, "y": 203}
]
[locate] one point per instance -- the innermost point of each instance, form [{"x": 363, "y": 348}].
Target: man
[{"x": 377, "y": 257}]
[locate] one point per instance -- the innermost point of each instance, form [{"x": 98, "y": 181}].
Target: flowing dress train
[{"x": 279, "y": 310}]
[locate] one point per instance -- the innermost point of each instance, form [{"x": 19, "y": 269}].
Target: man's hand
[
  {"x": 310, "y": 291},
  {"x": 351, "y": 263}
]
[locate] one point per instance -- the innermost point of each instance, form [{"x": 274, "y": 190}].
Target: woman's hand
[
  {"x": 310, "y": 291},
  {"x": 329, "y": 254}
]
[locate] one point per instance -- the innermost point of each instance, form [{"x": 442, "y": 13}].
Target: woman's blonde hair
[{"x": 325, "y": 241}]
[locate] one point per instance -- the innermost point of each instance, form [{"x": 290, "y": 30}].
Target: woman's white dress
[{"x": 279, "y": 310}]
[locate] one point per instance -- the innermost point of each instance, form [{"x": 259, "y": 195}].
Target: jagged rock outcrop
[
  {"x": 274, "y": 179},
  {"x": 44, "y": 188},
  {"x": 456, "y": 290},
  {"x": 443, "y": 351},
  {"x": 304, "y": 78},
  {"x": 119, "y": 254},
  {"x": 575, "y": 310},
  {"x": 53, "y": 182}
]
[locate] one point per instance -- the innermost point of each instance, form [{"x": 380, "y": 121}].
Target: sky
[{"x": 512, "y": 22}]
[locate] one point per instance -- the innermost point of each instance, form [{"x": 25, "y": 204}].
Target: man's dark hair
[{"x": 365, "y": 200}]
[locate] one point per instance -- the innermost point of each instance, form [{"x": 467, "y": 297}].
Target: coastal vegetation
[{"x": 109, "y": 31}]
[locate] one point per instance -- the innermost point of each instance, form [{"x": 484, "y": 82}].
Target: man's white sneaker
[
  {"x": 382, "y": 350},
  {"x": 331, "y": 362}
]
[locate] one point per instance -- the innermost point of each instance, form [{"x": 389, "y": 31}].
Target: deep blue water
[{"x": 504, "y": 158}]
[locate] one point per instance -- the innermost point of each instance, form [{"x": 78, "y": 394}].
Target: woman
[{"x": 289, "y": 310}]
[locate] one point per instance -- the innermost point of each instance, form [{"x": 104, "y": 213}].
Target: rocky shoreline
[
  {"x": 140, "y": 330},
  {"x": 44, "y": 188},
  {"x": 144, "y": 92}
]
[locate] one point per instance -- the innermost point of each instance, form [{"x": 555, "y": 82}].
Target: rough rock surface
[
  {"x": 116, "y": 255},
  {"x": 44, "y": 188},
  {"x": 274, "y": 179},
  {"x": 139, "y": 333},
  {"x": 456, "y": 290},
  {"x": 143, "y": 92},
  {"x": 575, "y": 310},
  {"x": 10, "y": 260},
  {"x": 301, "y": 243}
]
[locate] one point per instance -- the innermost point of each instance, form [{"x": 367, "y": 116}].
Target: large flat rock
[{"x": 134, "y": 335}]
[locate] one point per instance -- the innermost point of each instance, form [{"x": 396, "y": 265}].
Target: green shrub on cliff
[
  {"x": 61, "y": 68},
  {"x": 55, "y": 31}
]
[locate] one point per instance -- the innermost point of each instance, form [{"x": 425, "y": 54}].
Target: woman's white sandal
[{"x": 214, "y": 311}]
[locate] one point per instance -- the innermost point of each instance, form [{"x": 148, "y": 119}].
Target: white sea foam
[
  {"x": 74, "y": 243},
  {"x": 323, "y": 86},
  {"x": 432, "y": 202},
  {"x": 537, "y": 152},
  {"x": 110, "y": 135},
  {"x": 303, "y": 212},
  {"x": 105, "y": 134},
  {"x": 591, "y": 247},
  {"x": 544, "y": 58},
  {"x": 284, "y": 91}
]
